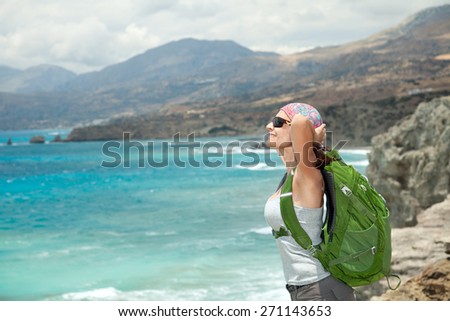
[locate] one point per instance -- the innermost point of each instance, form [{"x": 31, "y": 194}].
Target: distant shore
[{"x": 26, "y": 136}]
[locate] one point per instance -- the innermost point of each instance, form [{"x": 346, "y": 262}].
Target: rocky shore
[
  {"x": 409, "y": 165},
  {"x": 432, "y": 284}
]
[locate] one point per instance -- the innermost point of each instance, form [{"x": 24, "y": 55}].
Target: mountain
[
  {"x": 41, "y": 78},
  {"x": 362, "y": 88},
  {"x": 186, "y": 58},
  {"x": 7, "y": 72},
  {"x": 143, "y": 83}
]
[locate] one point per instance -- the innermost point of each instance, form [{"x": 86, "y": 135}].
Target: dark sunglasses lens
[{"x": 278, "y": 122}]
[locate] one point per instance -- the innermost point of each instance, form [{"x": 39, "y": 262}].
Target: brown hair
[{"x": 322, "y": 159}]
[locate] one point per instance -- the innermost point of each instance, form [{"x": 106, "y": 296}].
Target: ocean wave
[
  {"x": 355, "y": 151},
  {"x": 259, "y": 151},
  {"x": 236, "y": 150},
  {"x": 16, "y": 144},
  {"x": 264, "y": 167},
  {"x": 359, "y": 163},
  {"x": 113, "y": 294},
  {"x": 64, "y": 252},
  {"x": 155, "y": 233},
  {"x": 43, "y": 255},
  {"x": 78, "y": 249},
  {"x": 113, "y": 233},
  {"x": 97, "y": 294},
  {"x": 259, "y": 167},
  {"x": 259, "y": 230},
  {"x": 265, "y": 290}
]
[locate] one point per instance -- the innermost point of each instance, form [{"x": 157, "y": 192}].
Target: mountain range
[{"x": 222, "y": 88}]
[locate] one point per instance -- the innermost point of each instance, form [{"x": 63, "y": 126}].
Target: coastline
[{"x": 24, "y": 136}]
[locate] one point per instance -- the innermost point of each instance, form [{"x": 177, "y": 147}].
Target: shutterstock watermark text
[{"x": 189, "y": 151}]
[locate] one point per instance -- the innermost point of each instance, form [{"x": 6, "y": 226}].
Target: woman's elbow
[{"x": 300, "y": 121}]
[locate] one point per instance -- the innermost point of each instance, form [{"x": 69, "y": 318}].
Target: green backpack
[{"x": 356, "y": 246}]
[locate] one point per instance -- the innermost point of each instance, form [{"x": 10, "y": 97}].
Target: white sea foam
[
  {"x": 112, "y": 294},
  {"x": 154, "y": 233},
  {"x": 259, "y": 151},
  {"x": 246, "y": 206},
  {"x": 359, "y": 163},
  {"x": 97, "y": 294},
  {"x": 260, "y": 230},
  {"x": 15, "y": 144},
  {"x": 270, "y": 292},
  {"x": 355, "y": 151},
  {"x": 259, "y": 167},
  {"x": 64, "y": 252},
  {"x": 78, "y": 249},
  {"x": 43, "y": 255},
  {"x": 113, "y": 233}
]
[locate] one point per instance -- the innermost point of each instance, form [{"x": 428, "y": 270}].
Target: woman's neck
[{"x": 288, "y": 158}]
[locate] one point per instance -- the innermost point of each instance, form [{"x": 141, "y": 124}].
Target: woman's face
[{"x": 279, "y": 137}]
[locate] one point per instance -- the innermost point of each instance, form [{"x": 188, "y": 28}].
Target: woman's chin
[{"x": 271, "y": 144}]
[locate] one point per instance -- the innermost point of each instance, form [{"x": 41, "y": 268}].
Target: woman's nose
[{"x": 269, "y": 127}]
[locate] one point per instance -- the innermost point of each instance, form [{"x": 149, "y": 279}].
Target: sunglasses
[{"x": 279, "y": 122}]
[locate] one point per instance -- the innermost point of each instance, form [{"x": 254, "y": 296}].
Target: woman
[{"x": 292, "y": 133}]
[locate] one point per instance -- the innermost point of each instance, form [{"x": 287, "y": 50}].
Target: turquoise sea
[{"x": 72, "y": 229}]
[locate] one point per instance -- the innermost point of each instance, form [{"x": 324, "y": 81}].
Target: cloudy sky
[{"x": 86, "y": 35}]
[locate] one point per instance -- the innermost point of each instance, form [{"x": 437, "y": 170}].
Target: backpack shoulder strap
[
  {"x": 283, "y": 179},
  {"x": 328, "y": 179},
  {"x": 289, "y": 216}
]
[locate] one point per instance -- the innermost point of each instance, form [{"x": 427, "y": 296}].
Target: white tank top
[{"x": 299, "y": 266}]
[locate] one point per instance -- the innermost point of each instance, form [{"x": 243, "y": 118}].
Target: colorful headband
[{"x": 303, "y": 109}]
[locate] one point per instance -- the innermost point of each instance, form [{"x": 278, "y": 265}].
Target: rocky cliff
[{"x": 409, "y": 164}]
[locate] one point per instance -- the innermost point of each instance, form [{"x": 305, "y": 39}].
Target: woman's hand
[{"x": 320, "y": 134}]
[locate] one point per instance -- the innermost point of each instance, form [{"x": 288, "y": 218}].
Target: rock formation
[
  {"x": 37, "y": 140},
  {"x": 57, "y": 139},
  {"x": 432, "y": 284},
  {"x": 409, "y": 165}
]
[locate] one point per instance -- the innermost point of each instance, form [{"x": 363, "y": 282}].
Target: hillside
[
  {"x": 187, "y": 58},
  {"x": 41, "y": 78},
  {"x": 362, "y": 88},
  {"x": 7, "y": 72}
]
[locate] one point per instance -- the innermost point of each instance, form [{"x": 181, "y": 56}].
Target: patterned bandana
[{"x": 306, "y": 110}]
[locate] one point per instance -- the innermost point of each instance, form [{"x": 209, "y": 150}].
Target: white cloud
[{"x": 88, "y": 35}]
